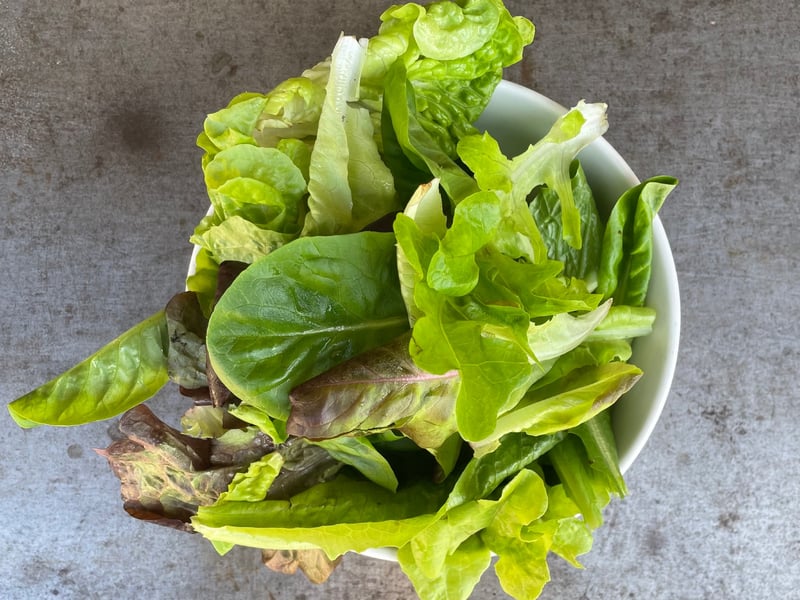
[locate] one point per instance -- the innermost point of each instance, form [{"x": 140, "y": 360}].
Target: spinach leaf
[
  {"x": 122, "y": 374},
  {"x": 302, "y": 309}
]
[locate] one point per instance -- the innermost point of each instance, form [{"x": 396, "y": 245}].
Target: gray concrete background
[{"x": 100, "y": 187}]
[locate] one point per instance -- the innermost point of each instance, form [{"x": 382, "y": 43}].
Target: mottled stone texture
[{"x": 100, "y": 187}]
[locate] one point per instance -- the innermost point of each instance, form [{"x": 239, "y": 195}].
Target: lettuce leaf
[
  {"x": 295, "y": 313},
  {"x": 341, "y": 515},
  {"x": 547, "y": 162},
  {"x": 628, "y": 242},
  {"x": 119, "y": 376},
  {"x": 349, "y": 185}
]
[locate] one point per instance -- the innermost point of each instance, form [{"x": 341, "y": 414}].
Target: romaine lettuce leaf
[
  {"x": 341, "y": 515},
  {"x": 359, "y": 453},
  {"x": 628, "y": 242},
  {"x": 119, "y": 376},
  {"x": 296, "y": 312},
  {"x": 349, "y": 185}
]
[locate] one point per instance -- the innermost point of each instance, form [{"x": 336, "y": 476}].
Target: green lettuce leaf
[
  {"x": 547, "y": 162},
  {"x": 597, "y": 435},
  {"x": 575, "y": 400},
  {"x": 349, "y": 185},
  {"x": 239, "y": 240},
  {"x": 545, "y": 207},
  {"x": 231, "y": 125},
  {"x": 425, "y": 209},
  {"x": 460, "y": 573},
  {"x": 122, "y": 374},
  {"x": 484, "y": 474},
  {"x": 291, "y": 110},
  {"x": 341, "y": 515},
  {"x": 625, "y": 264},
  {"x": 295, "y": 313},
  {"x": 359, "y": 453},
  {"x": 261, "y": 185}
]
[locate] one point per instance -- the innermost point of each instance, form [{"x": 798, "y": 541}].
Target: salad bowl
[
  {"x": 517, "y": 117},
  {"x": 457, "y": 387}
]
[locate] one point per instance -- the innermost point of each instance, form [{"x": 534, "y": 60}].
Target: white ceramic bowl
[{"x": 516, "y": 117}]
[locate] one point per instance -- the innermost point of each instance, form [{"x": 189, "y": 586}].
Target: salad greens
[{"x": 393, "y": 335}]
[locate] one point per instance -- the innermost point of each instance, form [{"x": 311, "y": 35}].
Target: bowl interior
[{"x": 517, "y": 116}]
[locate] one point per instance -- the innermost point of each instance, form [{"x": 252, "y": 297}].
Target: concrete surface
[{"x": 100, "y": 187}]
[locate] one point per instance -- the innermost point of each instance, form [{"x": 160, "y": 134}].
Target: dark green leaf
[{"x": 302, "y": 309}]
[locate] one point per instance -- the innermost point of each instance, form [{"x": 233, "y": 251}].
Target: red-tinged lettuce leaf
[
  {"x": 376, "y": 390},
  {"x": 164, "y": 474},
  {"x": 186, "y": 325}
]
